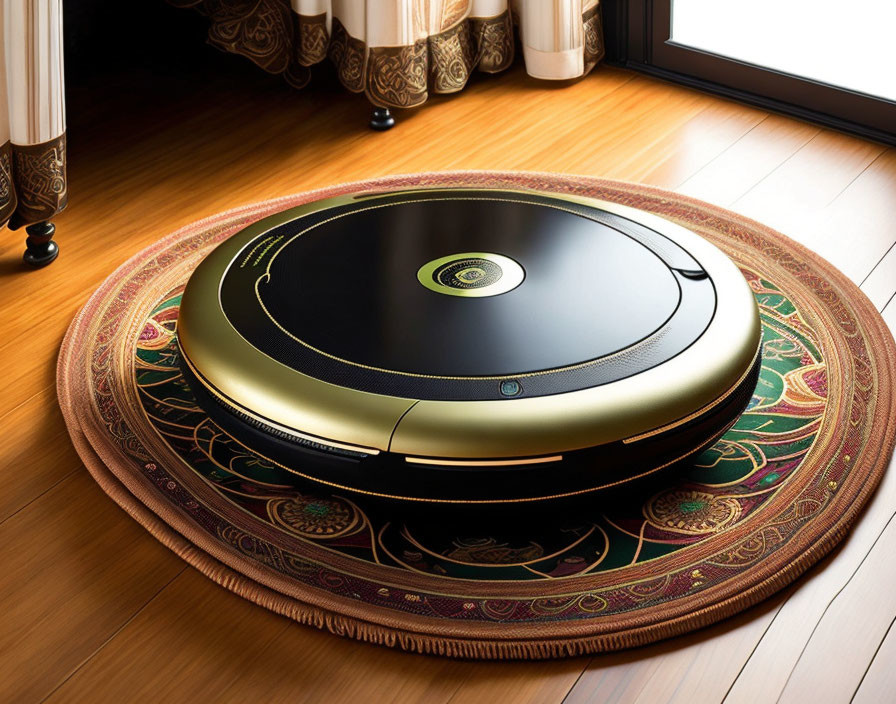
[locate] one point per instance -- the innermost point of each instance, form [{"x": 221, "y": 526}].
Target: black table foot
[
  {"x": 382, "y": 119},
  {"x": 41, "y": 249}
]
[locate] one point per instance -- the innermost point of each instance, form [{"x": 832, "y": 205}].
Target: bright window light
[{"x": 845, "y": 44}]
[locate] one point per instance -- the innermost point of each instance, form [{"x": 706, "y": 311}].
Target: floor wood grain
[{"x": 94, "y": 609}]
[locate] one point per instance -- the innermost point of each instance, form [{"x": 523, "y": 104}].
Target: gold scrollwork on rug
[
  {"x": 452, "y": 56},
  {"x": 39, "y": 175},
  {"x": 588, "y": 603},
  {"x": 647, "y": 591},
  {"x": 396, "y": 75},
  {"x": 489, "y": 551},
  {"x": 348, "y": 56},
  {"x": 498, "y": 609},
  {"x": 315, "y": 517},
  {"x": 691, "y": 512},
  {"x": 257, "y": 549},
  {"x": 494, "y": 42},
  {"x": 759, "y": 544}
]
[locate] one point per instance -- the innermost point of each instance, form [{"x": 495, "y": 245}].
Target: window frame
[{"x": 642, "y": 42}]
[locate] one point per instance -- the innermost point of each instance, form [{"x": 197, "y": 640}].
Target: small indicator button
[{"x": 511, "y": 387}]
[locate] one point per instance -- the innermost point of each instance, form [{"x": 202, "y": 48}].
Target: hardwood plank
[
  {"x": 880, "y": 180},
  {"x": 36, "y": 452},
  {"x": 752, "y": 158},
  {"x": 632, "y": 121},
  {"x": 517, "y": 682},
  {"x": 855, "y": 230},
  {"x": 789, "y": 197},
  {"x": 685, "y": 151},
  {"x": 197, "y": 640},
  {"x": 881, "y": 282},
  {"x": 765, "y": 675},
  {"x": 696, "y": 667},
  {"x": 347, "y": 671},
  {"x": 850, "y": 631},
  {"x": 879, "y": 681},
  {"x": 75, "y": 569}
]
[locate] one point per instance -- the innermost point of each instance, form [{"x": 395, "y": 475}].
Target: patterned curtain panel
[
  {"x": 400, "y": 51},
  {"x": 32, "y": 112}
]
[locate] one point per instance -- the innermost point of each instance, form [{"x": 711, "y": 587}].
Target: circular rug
[{"x": 747, "y": 517}]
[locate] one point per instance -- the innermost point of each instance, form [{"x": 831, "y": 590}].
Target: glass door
[
  {"x": 848, "y": 45},
  {"x": 831, "y": 61}
]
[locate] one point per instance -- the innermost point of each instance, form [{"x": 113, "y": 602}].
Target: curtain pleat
[
  {"x": 32, "y": 112},
  {"x": 399, "y": 52}
]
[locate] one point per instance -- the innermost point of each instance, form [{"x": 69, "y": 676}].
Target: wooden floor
[{"x": 93, "y": 609}]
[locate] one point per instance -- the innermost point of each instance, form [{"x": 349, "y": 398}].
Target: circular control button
[{"x": 471, "y": 274}]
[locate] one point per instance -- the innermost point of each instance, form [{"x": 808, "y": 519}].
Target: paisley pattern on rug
[{"x": 744, "y": 519}]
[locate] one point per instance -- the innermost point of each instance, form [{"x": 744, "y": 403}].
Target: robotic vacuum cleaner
[{"x": 470, "y": 345}]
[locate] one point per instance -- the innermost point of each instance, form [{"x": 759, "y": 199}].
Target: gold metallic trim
[
  {"x": 525, "y": 500},
  {"x": 267, "y": 421},
  {"x": 484, "y": 463},
  {"x": 695, "y": 414}
]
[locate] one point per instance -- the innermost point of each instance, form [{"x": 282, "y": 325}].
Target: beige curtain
[
  {"x": 32, "y": 112},
  {"x": 400, "y": 51}
]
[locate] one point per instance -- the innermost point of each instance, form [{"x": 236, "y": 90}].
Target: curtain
[
  {"x": 398, "y": 52},
  {"x": 32, "y": 112}
]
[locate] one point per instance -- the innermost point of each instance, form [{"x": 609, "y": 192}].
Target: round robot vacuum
[{"x": 470, "y": 345}]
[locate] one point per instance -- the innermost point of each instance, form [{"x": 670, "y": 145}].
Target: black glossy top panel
[{"x": 336, "y": 295}]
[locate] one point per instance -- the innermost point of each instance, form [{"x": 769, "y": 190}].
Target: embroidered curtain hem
[{"x": 399, "y": 52}]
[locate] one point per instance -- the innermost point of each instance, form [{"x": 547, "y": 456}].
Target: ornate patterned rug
[{"x": 752, "y": 513}]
